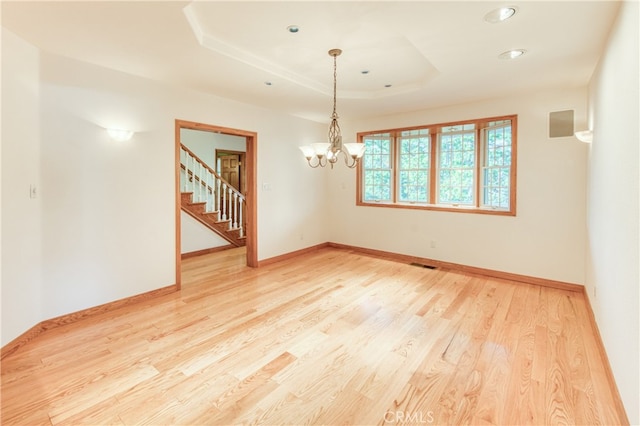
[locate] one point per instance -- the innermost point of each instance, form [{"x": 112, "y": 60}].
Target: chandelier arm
[{"x": 346, "y": 161}]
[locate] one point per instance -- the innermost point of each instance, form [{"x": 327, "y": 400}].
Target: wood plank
[{"x": 328, "y": 337}]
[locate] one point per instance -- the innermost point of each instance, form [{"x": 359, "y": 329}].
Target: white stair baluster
[
  {"x": 208, "y": 190},
  {"x": 217, "y": 194},
  {"x": 203, "y": 187},
  {"x": 183, "y": 154},
  {"x": 195, "y": 179},
  {"x": 200, "y": 184},
  {"x": 235, "y": 210},
  {"x": 224, "y": 201},
  {"x": 187, "y": 171},
  {"x": 230, "y": 208},
  {"x": 212, "y": 190},
  {"x": 240, "y": 223},
  {"x": 196, "y": 172},
  {"x": 193, "y": 175}
]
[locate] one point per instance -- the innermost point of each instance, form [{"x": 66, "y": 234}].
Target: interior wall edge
[{"x": 56, "y": 322}]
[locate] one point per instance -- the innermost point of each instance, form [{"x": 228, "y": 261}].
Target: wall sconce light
[
  {"x": 585, "y": 136},
  {"x": 120, "y": 135}
]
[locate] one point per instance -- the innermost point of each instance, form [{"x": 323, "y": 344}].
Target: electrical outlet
[
  {"x": 433, "y": 244},
  {"x": 33, "y": 192}
]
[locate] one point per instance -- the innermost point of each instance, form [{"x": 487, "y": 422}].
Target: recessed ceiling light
[
  {"x": 364, "y": 72},
  {"x": 512, "y": 54},
  {"x": 268, "y": 83},
  {"x": 500, "y": 15},
  {"x": 293, "y": 29},
  {"x": 387, "y": 85}
]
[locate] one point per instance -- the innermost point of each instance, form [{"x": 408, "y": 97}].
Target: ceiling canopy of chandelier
[{"x": 323, "y": 153}]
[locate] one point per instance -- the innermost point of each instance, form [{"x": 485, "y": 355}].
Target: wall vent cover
[{"x": 561, "y": 124}]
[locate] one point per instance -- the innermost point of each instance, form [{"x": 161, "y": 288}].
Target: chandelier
[{"x": 323, "y": 153}]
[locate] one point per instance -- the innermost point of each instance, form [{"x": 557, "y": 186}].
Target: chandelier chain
[{"x": 335, "y": 79}]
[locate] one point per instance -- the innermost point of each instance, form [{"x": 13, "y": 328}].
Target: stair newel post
[{"x": 240, "y": 222}]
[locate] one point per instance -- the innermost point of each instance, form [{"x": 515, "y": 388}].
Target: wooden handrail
[
  {"x": 190, "y": 173},
  {"x": 231, "y": 206},
  {"x": 213, "y": 172}
]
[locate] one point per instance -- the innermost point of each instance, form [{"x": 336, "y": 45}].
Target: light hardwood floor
[{"x": 330, "y": 337}]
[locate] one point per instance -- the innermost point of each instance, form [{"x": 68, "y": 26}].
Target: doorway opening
[{"x": 241, "y": 162}]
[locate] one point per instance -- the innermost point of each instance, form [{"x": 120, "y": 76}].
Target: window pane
[
  {"x": 457, "y": 162},
  {"x": 413, "y": 166},
  {"x": 497, "y": 165},
  {"x": 376, "y": 162}
]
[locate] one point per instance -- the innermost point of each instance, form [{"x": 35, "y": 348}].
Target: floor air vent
[{"x": 422, "y": 265}]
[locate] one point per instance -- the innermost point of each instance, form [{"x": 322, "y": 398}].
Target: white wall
[
  {"x": 547, "y": 237},
  {"x": 204, "y": 144},
  {"x": 106, "y": 229},
  {"x": 613, "y": 252},
  {"x": 194, "y": 236},
  {"x": 21, "y": 215}
]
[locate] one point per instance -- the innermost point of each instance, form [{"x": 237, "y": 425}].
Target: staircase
[{"x": 210, "y": 199}]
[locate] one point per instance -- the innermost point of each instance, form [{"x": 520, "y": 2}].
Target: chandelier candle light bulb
[{"x": 321, "y": 154}]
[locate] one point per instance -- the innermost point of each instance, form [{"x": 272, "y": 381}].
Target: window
[
  {"x": 377, "y": 168},
  {"x": 496, "y": 170},
  {"x": 466, "y": 166},
  {"x": 456, "y": 165},
  {"x": 413, "y": 166}
]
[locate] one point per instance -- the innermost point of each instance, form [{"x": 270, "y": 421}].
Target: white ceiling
[{"x": 432, "y": 53}]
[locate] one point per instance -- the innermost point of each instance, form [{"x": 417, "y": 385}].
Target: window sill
[{"x": 438, "y": 207}]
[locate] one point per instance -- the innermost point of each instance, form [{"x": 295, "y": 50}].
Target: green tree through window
[
  {"x": 377, "y": 168},
  {"x": 414, "y": 164}
]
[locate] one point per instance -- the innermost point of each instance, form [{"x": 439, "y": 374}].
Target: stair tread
[{"x": 219, "y": 226}]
